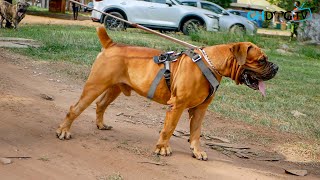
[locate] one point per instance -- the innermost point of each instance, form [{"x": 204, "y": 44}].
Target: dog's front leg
[
  {"x": 170, "y": 123},
  {"x": 15, "y": 25},
  {"x": 1, "y": 22},
  {"x": 196, "y": 116}
]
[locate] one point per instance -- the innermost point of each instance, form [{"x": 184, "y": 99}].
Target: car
[
  {"x": 168, "y": 15},
  {"x": 227, "y": 21},
  {"x": 90, "y": 5},
  {"x": 258, "y": 23}
]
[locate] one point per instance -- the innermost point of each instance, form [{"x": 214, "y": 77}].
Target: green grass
[
  {"x": 296, "y": 86},
  {"x": 80, "y": 44}
]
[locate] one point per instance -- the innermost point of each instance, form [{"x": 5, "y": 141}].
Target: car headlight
[{"x": 212, "y": 16}]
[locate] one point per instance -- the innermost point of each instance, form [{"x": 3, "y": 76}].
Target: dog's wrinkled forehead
[
  {"x": 246, "y": 52},
  {"x": 255, "y": 53}
]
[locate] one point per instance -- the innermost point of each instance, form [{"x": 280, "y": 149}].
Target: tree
[
  {"x": 288, "y": 4},
  {"x": 222, "y": 3}
]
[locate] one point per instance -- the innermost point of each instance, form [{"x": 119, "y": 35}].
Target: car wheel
[
  {"x": 237, "y": 29},
  {"x": 112, "y": 23},
  {"x": 191, "y": 26}
]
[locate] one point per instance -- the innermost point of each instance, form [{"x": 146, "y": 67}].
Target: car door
[
  {"x": 223, "y": 20},
  {"x": 138, "y": 11},
  {"x": 157, "y": 13}
]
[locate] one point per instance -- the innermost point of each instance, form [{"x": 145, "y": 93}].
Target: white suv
[{"x": 156, "y": 14}]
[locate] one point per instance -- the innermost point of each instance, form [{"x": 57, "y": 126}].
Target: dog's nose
[{"x": 275, "y": 68}]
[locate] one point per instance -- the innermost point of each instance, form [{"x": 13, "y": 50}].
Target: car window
[
  {"x": 244, "y": 14},
  {"x": 194, "y": 4},
  {"x": 177, "y": 2},
  {"x": 156, "y": 1},
  {"x": 211, "y": 7},
  {"x": 236, "y": 13}
]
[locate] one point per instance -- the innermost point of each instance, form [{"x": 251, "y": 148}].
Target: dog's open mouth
[
  {"x": 19, "y": 14},
  {"x": 251, "y": 80}
]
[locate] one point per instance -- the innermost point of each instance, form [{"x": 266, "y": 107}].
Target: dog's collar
[{"x": 206, "y": 57}]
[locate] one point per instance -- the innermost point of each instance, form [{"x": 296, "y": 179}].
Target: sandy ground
[{"x": 28, "y": 123}]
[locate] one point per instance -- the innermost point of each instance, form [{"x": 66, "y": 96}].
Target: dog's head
[
  {"x": 22, "y": 8},
  {"x": 255, "y": 66}
]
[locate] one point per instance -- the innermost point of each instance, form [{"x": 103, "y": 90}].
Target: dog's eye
[{"x": 262, "y": 61}]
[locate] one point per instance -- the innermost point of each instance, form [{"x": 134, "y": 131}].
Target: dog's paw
[
  {"x": 63, "y": 134},
  {"x": 200, "y": 155},
  {"x": 104, "y": 127},
  {"x": 163, "y": 150}
]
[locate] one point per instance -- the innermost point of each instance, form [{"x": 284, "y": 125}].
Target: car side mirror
[{"x": 169, "y": 3}]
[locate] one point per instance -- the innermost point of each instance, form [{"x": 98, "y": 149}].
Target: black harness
[{"x": 169, "y": 57}]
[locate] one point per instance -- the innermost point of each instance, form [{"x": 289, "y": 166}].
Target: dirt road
[{"x": 28, "y": 123}]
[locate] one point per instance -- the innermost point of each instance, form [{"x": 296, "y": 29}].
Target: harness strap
[
  {"x": 214, "y": 83},
  {"x": 155, "y": 82},
  {"x": 167, "y": 58}
]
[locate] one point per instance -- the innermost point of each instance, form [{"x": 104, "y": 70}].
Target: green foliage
[
  {"x": 222, "y": 3},
  {"x": 289, "y": 4}
]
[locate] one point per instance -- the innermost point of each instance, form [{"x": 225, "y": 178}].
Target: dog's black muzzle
[{"x": 252, "y": 78}]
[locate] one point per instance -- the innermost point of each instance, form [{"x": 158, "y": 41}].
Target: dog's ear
[{"x": 240, "y": 52}]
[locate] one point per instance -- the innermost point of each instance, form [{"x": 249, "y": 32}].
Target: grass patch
[
  {"x": 80, "y": 44},
  {"x": 296, "y": 86}
]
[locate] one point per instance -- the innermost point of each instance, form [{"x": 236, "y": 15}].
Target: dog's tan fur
[
  {"x": 122, "y": 68},
  {"x": 12, "y": 13}
]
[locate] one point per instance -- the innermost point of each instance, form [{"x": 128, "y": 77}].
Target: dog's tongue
[
  {"x": 262, "y": 88},
  {"x": 19, "y": 14}
]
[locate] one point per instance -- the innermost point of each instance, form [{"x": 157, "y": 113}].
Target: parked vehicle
[
  {"x": 227, "y": 21},
  {"x": 156, "y": 14},
  {"x": 90, "y": 4},
  {"x": 258, "y": 23}
]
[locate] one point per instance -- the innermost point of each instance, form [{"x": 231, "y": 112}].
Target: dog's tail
[{"x": 104, "y": 38}]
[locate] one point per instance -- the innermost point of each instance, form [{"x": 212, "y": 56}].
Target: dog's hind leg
[
  {"x": 92, "y": 89},
  {"x": 108, "y": 97},
  {"x": 170, "y": 123},
  {"x": 196, "y": 116}
]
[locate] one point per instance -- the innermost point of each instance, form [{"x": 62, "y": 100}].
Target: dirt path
[
  {"x": 32, "y": 19},
  {"x": 28, "y": 123}
]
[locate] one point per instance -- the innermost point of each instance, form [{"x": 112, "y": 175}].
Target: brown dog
[
  {"x": 12, "y": 13},
  {"x": 122, "y": 68}
]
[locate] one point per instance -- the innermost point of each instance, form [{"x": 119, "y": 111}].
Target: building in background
[{"x": 259, "y": 5}]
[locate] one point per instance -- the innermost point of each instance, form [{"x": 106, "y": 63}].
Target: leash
[
  {"x": 178, "y": 41},
  {"x": 142, "y": 27},
  {"x": 196, "y": 58}
]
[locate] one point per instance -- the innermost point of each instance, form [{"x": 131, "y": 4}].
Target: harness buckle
[
  {"x": 165, "y": 57},
  {"x": 196, "y": 58}
]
